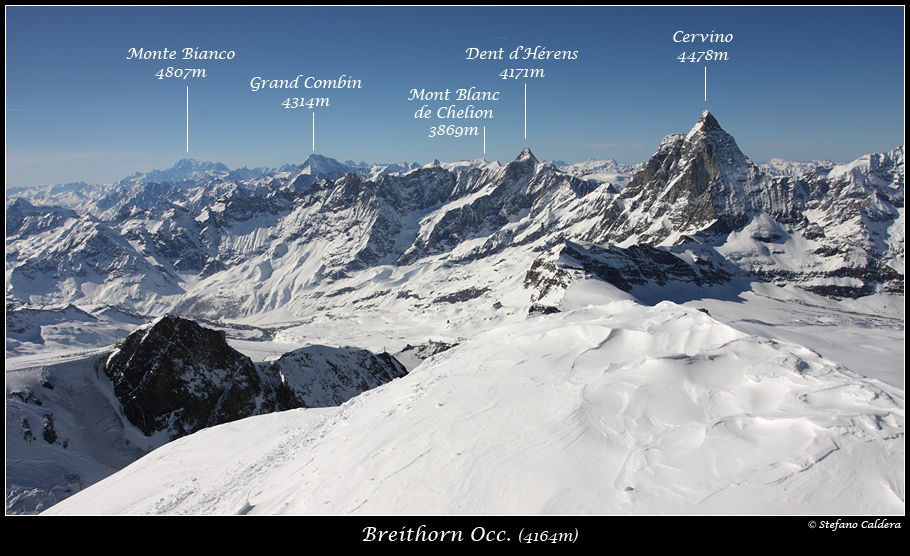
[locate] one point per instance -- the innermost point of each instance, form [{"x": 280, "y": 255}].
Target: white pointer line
[
  {"x": 187, "y": 119},
  {"x": 706, "y": 83},
  {"x": 314, "y": 131},
  {"x": 526, "y": 110}
]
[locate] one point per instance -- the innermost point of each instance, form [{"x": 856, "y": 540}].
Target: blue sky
[{"x": 798, "y": 83}]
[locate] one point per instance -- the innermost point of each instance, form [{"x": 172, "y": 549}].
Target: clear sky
[{"x": 797, "y": 83}]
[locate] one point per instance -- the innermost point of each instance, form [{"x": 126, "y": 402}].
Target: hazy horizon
[{"x": 790, "y": 84}]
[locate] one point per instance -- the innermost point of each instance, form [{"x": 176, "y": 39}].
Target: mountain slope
[
  {"x": 72, "y": 421},
  {"x": 615, "y": 409}
]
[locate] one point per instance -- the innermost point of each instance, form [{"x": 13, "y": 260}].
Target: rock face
[
  {"x": 24, "y": 219},
  {"x": 321, "y": 376},
  {"x": 177, "y": 377},
  {"x": 642, "y": 264},
  {"x": 693, "y": 181},
  {"x": 835, "y": 230},
  {"x": 637, "y": 265}
]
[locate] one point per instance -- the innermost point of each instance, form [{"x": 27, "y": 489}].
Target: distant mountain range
[
  {"x": 151, "y": 246},
  {"x": 405, "y": 260}
]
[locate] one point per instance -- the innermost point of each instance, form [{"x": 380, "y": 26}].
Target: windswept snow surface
[{"x": 616, "y": 408}]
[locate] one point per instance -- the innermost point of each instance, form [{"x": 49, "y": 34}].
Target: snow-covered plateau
[{"x": 693, "y": 335}]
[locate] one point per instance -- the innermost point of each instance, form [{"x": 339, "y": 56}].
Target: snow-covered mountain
[
  {"x": 738, "y": 275},
  {"x": 837, "y": 230},
  {"x": 596, "y": 165},
  {"x": 779, "y": 166},
  {"x": 602, "y": 170},
  {"x": 618, "y": 408},
  {"x": 186, "y": 169}
]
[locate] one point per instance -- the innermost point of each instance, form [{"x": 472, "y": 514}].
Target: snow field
[{"x": 611, "y": 409}]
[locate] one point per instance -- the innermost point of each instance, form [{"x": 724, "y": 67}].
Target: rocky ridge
[
  {"x": 167, "y": 246},
  {"x": 176, "y": 377}
]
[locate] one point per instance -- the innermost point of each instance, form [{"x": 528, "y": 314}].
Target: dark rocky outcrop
[
  {"x": 177, "y": 377},
  {"x": 637, "y": 265}
]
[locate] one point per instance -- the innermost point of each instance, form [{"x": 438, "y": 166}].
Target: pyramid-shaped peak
[
  {"x": 20, "y": 204},
  {"x": 708, "y": 120},
  {"x": 708, "y": 134},
  {"x": 707, "y": 124},
  {"x": 526, "y": 154}
]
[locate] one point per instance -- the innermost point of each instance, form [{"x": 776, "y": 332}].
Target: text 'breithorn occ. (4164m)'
[{"x": 421, "y": 534}]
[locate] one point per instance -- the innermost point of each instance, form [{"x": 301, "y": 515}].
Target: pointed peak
[
  {"x": 526, "y": 154},
  {"x": 706, "y": 123},
  {"x": 20, "y": 203},
  {"x": 708, "y": 120}
]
